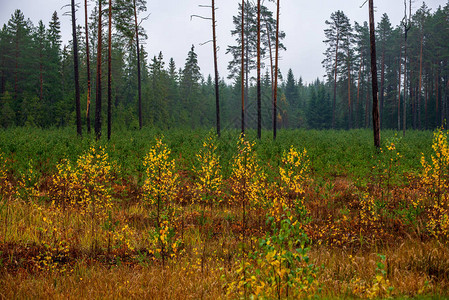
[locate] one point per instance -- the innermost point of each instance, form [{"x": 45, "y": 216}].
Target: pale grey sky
[{"x": 171, "y": 31}]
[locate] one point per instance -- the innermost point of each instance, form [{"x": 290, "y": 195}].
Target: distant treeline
[{"x": 37, "y": 79}]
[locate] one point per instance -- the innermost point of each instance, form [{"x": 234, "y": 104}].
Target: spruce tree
[
  {"x": 292, "y": 96},
  {"x": 190, "y": 80}
]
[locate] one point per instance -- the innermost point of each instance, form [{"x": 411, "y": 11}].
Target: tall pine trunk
[
  {"x": 243, "y": 67},
  {"x": 375, "y": 90},
  {"x": 88, "y": 67},
  {"x": 217, "y": 87},
  {"x": 259, "y": 94},
  {"x": 367, "y": 119},
  {"x": 399, "y": 88},
  {"x": 406, "y": 29},
  {"x": 436, "y": 99},
  {"x": 110, "y": 71},
  {"x": 334, "y": 102},
  {"x": 98, "y": 88},
  {"x": 349, "y": 94},
  {"x": 247, "y": 58},
  {"x": 426, "y": 95},
  {"x": 420, "y": 83},
  {"x": 270, "y": 50},
  {"x": 139, "y": 83},
  {"x": 357, "y": 112},
  {"x": 382, "y": 85},
  {"x": 276, "y": 73},
  {"x": 75, "y": 68},
  {"x": 404, "y": 111}
]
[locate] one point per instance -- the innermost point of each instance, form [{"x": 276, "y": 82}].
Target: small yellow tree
[
  {"x": 160, "y": 184},
  {"x": 435, "y": 178},
  {"x": 159, "y": 188},
  {"x": 247, "y": 179},
  {"x": 208, "y": 185}
]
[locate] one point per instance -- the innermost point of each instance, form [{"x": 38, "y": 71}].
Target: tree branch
[{"x": 201, "y": 17}]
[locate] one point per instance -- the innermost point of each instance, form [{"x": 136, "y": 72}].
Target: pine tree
[
  {"x": 76, "y": 71},
  {"x": 338, "y": 31},
  {"x": 362, "y": 46},
  {"x": 128, "y": 24},
  {"x": 86, "y": 25},
  {"x": 419, "y": 20},
  {"x": 109, "y": 69},
  {"x": 276, "y": 69},
  {"x": 217, "y": 87},
  {"x": 98, "y": 101},
  {"x": 384, "y": 32},
  {"x": 259, "y": 87},
  {"x": 246, "y": 41},
  {"x": 376, "y": 123}
]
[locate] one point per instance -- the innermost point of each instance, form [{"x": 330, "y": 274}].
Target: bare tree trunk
[
  {"x": 375, "y": 91},
  {"x": 41, "y": 79},
  {"x": 110, "y": 71},
  {"x": 436, "y": 100},
  {"x": 247, "y": 59},
  {"x": 88, "y": 67},
  {"x": 276, "y": 68},
  {"x": 334, "y": 103},
  {"x": 139, "y": 83},
  {"x": 412, "y": 99},
  {"x": 271, "y": 60},
  {"x": 420, "y": 82},
  {"x": 440, "y": 95},
  {"x": 259, "y": 95},
  {"x": 404, "y": 111},
  {"x": 399, "y": 88},
  {"x": 406, "y": 29},
  {"x": 243, "y": 67},
  {"x": 98, "y": 88},
  {"x": 426, "y": 124},
  {"x": 217, "y": 87},
  {"x": 349, "y": 94},
  {"x": 358, "y": 91},
  {"x": 367, "y": 119},
  {"x": 382, "y": 86},
  {"x": 75, "y": 68}
]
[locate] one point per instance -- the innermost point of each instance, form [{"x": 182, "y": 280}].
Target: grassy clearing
[{"x": 265, "y": 219}]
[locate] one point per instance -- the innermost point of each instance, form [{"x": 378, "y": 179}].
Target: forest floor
[{"x": 187, "y": 216}]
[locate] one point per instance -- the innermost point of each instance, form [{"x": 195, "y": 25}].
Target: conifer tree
[
  {"x": 338, "y": 31},
  {"x": 86, "y": 25},
  {"x": 76, "y": 71},
  {"x": 292, "y": 96},
  {"x": 190, "y": 80},
  {"x": 98, "y": 101},
  {"x": 385, "y": 32},
  {"x": 110, "y": 70},
  {"x": 376, "y": 124}
]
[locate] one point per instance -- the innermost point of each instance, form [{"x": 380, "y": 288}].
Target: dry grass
[
  {"x": 369, "y": 241},
  {"x": 413, "y": 267}
]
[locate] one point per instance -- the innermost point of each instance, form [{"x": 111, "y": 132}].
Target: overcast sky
[{"x": 171, "y": 31}]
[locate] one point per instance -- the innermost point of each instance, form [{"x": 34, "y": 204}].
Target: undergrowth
[{"x": 314, "y": 214}]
